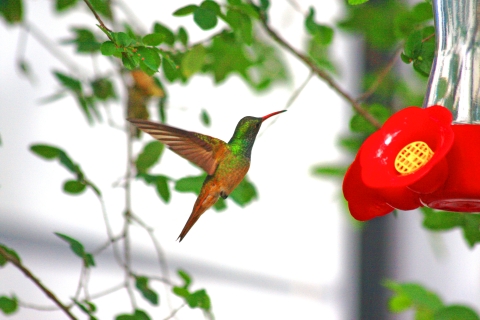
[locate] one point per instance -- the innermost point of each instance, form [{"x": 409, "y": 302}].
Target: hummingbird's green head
[{"x": 246, "y": 132}]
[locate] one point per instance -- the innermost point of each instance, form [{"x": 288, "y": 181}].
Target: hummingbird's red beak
[{"x": 271, "y": 115}]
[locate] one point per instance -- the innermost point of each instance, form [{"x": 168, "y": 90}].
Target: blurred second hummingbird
[{"x": 225, "y": 163}]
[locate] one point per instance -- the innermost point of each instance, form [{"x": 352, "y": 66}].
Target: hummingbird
[{"x": 226, "y": 164}]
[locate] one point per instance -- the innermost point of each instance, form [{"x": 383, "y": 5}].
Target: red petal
[{"x": 364, "y": 203}]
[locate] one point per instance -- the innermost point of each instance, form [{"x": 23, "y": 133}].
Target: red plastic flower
[{"x": 398, "y": 163}]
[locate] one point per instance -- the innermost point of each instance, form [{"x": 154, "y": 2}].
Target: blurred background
[{"x": 294, "y": 253}]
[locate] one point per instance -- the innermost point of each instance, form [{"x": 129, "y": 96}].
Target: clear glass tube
[{"x": 455, "y": 78}]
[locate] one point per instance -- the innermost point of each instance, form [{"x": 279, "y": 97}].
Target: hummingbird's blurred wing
[{"x": 198, "y": 148}]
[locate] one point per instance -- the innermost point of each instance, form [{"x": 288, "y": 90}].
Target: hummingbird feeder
[{"x": 429, "y": 156}]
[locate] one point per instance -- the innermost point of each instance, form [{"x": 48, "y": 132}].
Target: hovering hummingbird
[{"x": 225, "y": 163}]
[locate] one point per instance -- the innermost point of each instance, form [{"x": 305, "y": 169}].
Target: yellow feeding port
[{"x": 412, "y": 157}]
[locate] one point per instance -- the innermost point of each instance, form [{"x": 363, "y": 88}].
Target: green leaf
[
  {"x": 102, "y": 7},
  {"x": 422, "y": 11},
  {"x": 264, "y": 4},
  {"x": 162, "y": 188},
  {"x": 170, "y": 68},
  {"x": 241, "y": 23},
  {"x": 181, "y": 292},
  {"x": 199, "y": 299},
  {"x": 141, "y": 283},
  {"x": 320, "y": 54},
  {"x": 441, "y": 220},
  {"x": 62, "y": 5},
  {"x": 75, "y": 245},
  {"x": 220, "y": 205},
  {"x": 3, "y": 260},
  {"x": 187, "y": 280},
  {"x": 128, "y": 61},
  {"x": 185, "y": 11},
  {"x": 182, "y": 36},
  {"x": 108, "y": 48},
  {"x": 205, "y": 16},
  {"x": 456, "y": 312},
  {"x": 122, "y": 39},
  {"x": 70, "y": 83},
  {"x": 153, "y": 39},
  {"x": 87, "y": 307},
  {"x": 8, "y": 305},
  {"x": 330, "y": 171},
  {"x": 244, "y": 193},
  {"x": 74, "y": 186},
  {"x": 150, "y": 57},
  {"x": 103, "y": 89},
  {"x": 425, "y": 302},
  {"x": 166, "y": 32},
  {"x": 190, "y": 184},
  {"x": 50, "y": 153},
  {"x": 12, "y": 10},
  {"x": 193, "y": 60},
  {"x": 78, "y": 249},
  {"x": 399, "y": 303},
  {"x": 471, "y": 228},
  {"x": 46, "y": 151},
  {"x": 321, "y": 33},
  {"x": 149, "y": 156},
  {"x": 85, "y": 41},
  {"x": 227, "y": 55},
  {"x": 25, "y": 69},
  {"x": 137, "y": 315},
  {"x": 356, "y": 2},
  {"x": 359, "y": 124},
  {"x": 420, "y": 48},
  {"x": 375, "y": 22},
  {"x": 205, "y": 118}
]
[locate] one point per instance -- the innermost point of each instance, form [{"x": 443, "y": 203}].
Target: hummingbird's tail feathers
[{"x": 203, "y": 203}]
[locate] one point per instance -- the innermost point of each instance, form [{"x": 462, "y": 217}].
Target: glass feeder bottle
[{"x": 455, "y": 84}]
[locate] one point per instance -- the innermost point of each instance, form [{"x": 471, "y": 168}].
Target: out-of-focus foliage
[{"x": 426, "y": 304}]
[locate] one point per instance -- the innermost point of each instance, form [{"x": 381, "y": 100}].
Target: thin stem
[
  {"x": 292, "y": 98},
  {"x": 37, "y": 282},
  {"x": 381, "y": 76},
  {"x": 37, "y": 307},
  {"x": 319, "y": 72},
  {"x": 162, "y": 261},
  {"x": 128, "y": 215},
  {"x": 107, "y": 291},
  {"x": 128, "y": 263},
  {"x": 80, "y": 283},
  {"x": 111, "y": 238},
  {"x": 89, "y": 5},
  {"x": 20, "y": 54},
  {"x": 174, "y": 312}
]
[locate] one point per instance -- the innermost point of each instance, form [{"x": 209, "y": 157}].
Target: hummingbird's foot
[{"x": 223, "y": 195}]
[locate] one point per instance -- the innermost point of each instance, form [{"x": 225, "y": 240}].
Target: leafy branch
[
  {"x": 315, "y": 69},
  {"x": 15, "y": 260}
]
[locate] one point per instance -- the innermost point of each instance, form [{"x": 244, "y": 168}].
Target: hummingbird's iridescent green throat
[{"x": 245, "y": 133}]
